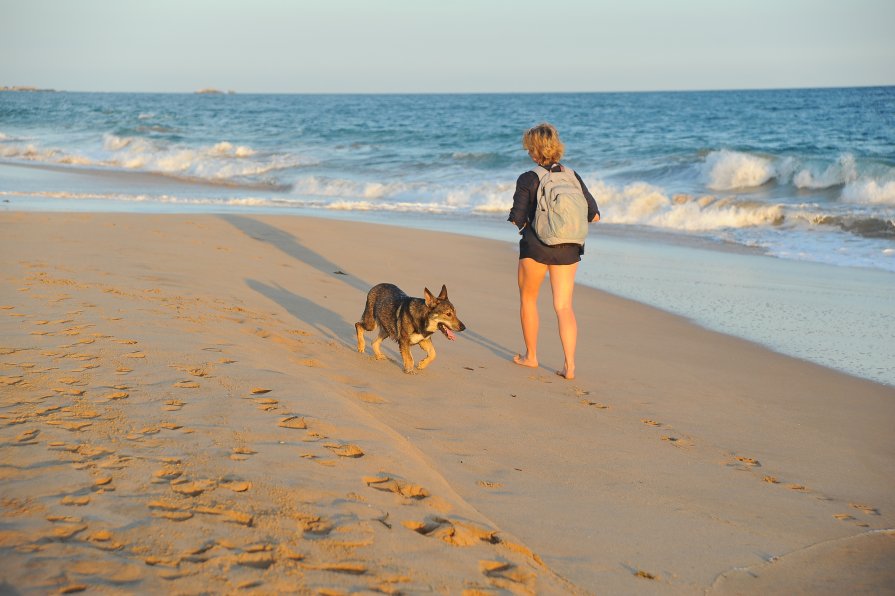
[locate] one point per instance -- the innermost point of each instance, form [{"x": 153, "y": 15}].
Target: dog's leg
[
  {"x": 377, "y": 343},
  {"x": 406, "y": 356},
  {"x": 361, "y": 344},
  {"x": 367, "y": 323},
  {"x": 429, "y": 347}
]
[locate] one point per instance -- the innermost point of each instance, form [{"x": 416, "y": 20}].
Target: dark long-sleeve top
[{"x": 525, "y": 199}]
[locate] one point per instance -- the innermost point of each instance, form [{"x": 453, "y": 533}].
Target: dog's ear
[
  {"x": 443, "y": 294},
  {"x": 430, "y": 298}
]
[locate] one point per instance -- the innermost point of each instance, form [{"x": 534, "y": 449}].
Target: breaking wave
[
  {"x": 644, "y": 204},
  {"x": 729, "y": 170},
  {"x": 869, "y": 191},
  {"x": 844, "y": 170}
]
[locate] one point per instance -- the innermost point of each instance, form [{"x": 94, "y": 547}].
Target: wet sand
[{"x": 184, "y": 410}]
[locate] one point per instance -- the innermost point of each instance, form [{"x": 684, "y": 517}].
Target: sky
[{"x": 444, "y": 46}]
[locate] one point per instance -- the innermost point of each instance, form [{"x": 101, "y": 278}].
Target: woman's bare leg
[
  {"x": 562, "y": 281},
  {"x": 531, "y": 275}
]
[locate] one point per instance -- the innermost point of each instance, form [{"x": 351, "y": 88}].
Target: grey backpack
[{"x": 561, "y": 213}]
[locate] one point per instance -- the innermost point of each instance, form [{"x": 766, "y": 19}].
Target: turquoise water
[{"x": 764, "y": 214}]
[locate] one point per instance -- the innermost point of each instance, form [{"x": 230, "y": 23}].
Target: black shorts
[{"x": 561, "y": 254}]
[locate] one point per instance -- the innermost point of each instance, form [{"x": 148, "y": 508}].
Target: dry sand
[{"x": 184, "y": 410}]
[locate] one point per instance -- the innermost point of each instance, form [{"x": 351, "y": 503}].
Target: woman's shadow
[
  {"x": 312, "y": 312},
  {"x": 329, "y": 323}
]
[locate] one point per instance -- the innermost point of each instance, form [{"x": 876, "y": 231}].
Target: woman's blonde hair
[{"x": 543, "y": 144}]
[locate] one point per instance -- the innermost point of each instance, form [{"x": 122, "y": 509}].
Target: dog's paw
[
  {"x": 381, "y": 357},
  {"x": 410, "y": 371}
]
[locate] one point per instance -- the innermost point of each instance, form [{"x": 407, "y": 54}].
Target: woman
[{"x": 536, "y": 259}]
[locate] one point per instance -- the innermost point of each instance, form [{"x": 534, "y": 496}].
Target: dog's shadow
[{"x": 328, "y": 323}]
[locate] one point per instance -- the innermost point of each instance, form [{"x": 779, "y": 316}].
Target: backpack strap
[{"x": 541, "y": 171}]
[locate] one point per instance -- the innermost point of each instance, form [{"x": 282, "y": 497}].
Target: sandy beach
[{"x": 184, "y": 411}]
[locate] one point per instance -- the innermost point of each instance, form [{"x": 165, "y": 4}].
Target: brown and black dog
[{"x": 409, "y": 321}]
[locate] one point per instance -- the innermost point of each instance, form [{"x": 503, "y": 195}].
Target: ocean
[{"x": 765, "y": 214}]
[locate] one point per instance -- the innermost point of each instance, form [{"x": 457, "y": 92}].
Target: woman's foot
[
  {"x": 529, "y": 362},
  {"x": 566, "y": 374}
]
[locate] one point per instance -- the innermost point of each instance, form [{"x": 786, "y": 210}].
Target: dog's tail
[{"x": 366, "y": 320}]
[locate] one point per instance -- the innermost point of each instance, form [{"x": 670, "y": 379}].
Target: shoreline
[{"x": 677, "y": 452}]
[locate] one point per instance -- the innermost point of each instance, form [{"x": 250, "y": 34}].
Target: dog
[{"x": 409, "y": 321}]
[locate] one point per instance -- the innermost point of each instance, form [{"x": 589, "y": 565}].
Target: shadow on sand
[{"x": 330, "y": 324}]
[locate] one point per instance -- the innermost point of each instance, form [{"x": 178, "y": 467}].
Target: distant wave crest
[{"x": 220, "y": 162}]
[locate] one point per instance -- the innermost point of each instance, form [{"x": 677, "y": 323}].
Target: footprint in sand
[
  {"x": 192, "y": 489},
  {"x": 748, "y": 461},
  {"x": 345, "y": 450},
  {"x": 173, "y": 405},
  {"x": 77, "y": 501},
  {"x": 171, "y": 511},
  {"x": 296, "y": 422},
  {"x": 27, "y": 436},
  {"x": 267, "y": 404},
  {"x": 348, "y": 568},
  {"x": 865, "y": 508},
  {"x": 454, "y": 532},
  {"x": 394, "y": 485},
  {"x": 239, "y": 487},
  {"x": 259, "y": 391},
  {"x": 595, "y": 404},
  {"x": 186, "y": 384},
  {"x": 241, "y": 453},
  {"x": 649, "y": 422},
  {"x": 370, "y": 398},
  {"x": 503, "y": 573},
  {"x": 166, "y": 474}
]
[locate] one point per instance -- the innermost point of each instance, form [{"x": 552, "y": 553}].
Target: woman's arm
[
  {"x": 593, "y": 211},
  {"x": 526, "y": 186}
]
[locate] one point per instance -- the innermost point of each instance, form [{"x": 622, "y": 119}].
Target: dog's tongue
[{"x": 447, "y": 332}]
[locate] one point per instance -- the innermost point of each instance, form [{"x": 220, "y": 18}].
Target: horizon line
[{"x": 215, "y": 91}]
